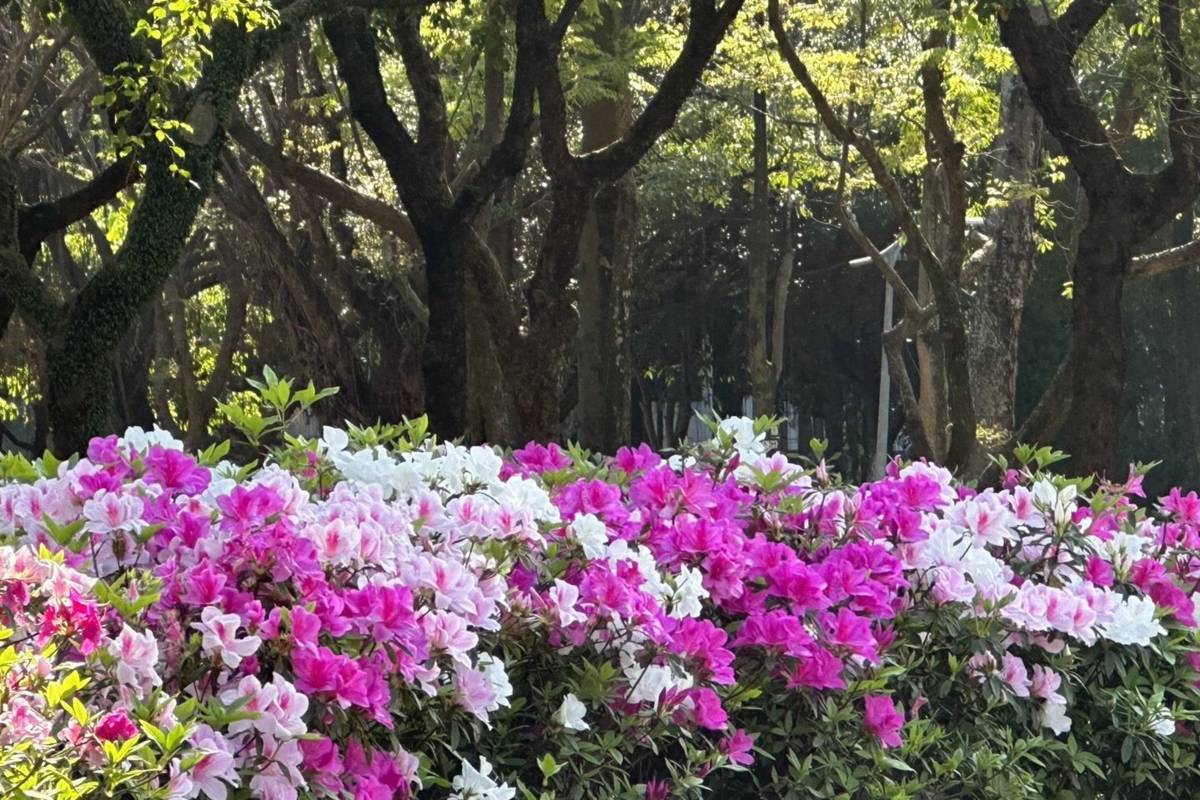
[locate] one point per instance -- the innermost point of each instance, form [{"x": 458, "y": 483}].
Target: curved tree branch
[
  {"x": 706, "y": 27},
  {"x": 320, "y": 183}
]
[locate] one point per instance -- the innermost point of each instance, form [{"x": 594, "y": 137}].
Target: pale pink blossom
[{"x": 220, "y": 636}]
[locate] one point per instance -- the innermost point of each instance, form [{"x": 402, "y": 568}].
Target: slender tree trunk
[
  {"x": 762, "y": 374},
  {"x": 932, "y": 392},
  {"x": 1006, "y": 264}
]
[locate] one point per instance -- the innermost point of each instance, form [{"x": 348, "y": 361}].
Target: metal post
[{"x": 880, "y": 459}]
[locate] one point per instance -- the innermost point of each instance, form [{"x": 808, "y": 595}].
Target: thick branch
[
  {"x": 1044, "y": 60},
  {"x": 420, "y": 182},
  {"x": 1164, "y": 261},
  {"x": 1078, "y": 20},
  {"x": 537, "y": 49},
  {"x": 1179, "y": 178},
  {"x": 38, "y": 221},
  {"x": 18, "y": 283},
  {"x": 337, "y": 192},
  {"x": 706, "y": 28},
  {"x": 107, "y": 33},
  {"x": 433, "y": 131}
]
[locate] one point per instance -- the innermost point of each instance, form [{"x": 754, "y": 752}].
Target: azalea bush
[{"x": 375, "y": 615}]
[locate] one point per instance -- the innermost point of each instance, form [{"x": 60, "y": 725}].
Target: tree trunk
[
  {"x": 553, "y": 321},
  {"x": 933, "y": 401},
  {"x": 444, "y": 356},
  {"x": 762, "y": 374},
  {"x": 132, "y": 373},
  {"x": 1006, "y": 266},
  {"x": 1097, "y": 343},
  {"x": 606, "y": 275},
  {"x": 606, "y": 271}
]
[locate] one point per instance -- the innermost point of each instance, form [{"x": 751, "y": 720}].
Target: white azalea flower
[
  {"x": 1133, "y": 622},
  {"x": 689, "y": 591},
  {"x": 142, "y": 440},
  {"x": 1054, "y": 717},
  {"x": 679, "y": 463},
  {"x": 570, "y": 714},
  {"x": 748, "y": 444},
  {"x": 592, "y": 535},
  {"x": 1163, "y": 723},
  {"x": 1059, "y": 502},
  {"x": 493, "y": 669},
  {"x": 477, "y": 784},
  {"x": 1125, "y": 548},
  {"x": 333, "y": 440}
]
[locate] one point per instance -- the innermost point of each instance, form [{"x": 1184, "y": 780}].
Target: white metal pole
[{"x": 880, "y": 459}]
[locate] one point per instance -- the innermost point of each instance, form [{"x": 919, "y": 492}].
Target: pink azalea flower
[
  {"x": 1098, "y": 571},
  {"x": 708, "y": 711},
  {"x": 281, "y": 777},
  {"x": 137, "y": 658},
  {"x": 1044, "y": 684},
  {"x": 116, "y": 726},
  {"x": 1013, "y": 673},
  {"x": 738, "y": 746},
  {"x": 883, "y": 718},
  {"x": 657, "y": 789},
  {"x": 323, "y": 763},
  {"x": 112, "y": 511},
  {"x": 215, "y": 768},
  {"x": 473, "y": 691},
  {"x": 175, "y": 471}
]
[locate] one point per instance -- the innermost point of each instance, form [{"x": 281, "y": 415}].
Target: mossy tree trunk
[{"x": 82, "y": 336}]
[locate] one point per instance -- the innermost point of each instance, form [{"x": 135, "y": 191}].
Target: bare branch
[
  {"x": 1164, "y": 261},
  {"x": 848, "y": 136}
]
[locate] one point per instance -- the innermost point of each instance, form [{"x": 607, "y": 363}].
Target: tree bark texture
[
  {"x": 1006, "y": 267},
  {"x": 606, "y": 272}
]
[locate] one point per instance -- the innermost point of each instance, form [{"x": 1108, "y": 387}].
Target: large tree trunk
[
  {"x": 1097, "y": 343},
  {"x": 131, "y": 373},
  {"x": 1124, "y": 208},
  {"x": 1005, "y": 266},
  {"x": 606, "y": 274},
  {"x": 79, "y": 357},
  {"x": 553, "y": 321},
  {"x": 762, "y": 375},
  {"x": 444, "y": 358}
]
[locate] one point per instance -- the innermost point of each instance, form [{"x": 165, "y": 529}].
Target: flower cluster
[{"x": 387, "y": 619}]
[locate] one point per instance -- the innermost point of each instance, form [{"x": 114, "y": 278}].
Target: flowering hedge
[{"x": 376, "y": 615}]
